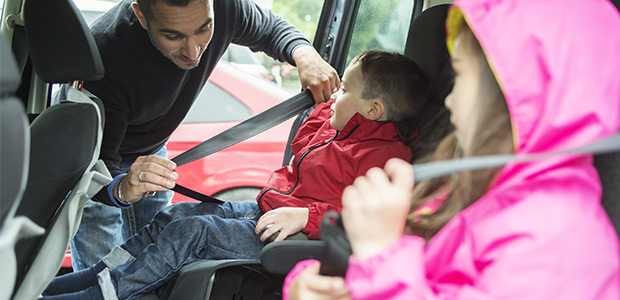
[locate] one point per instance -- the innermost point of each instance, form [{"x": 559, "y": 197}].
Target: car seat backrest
[
  {"x": 608, "y": 167},
  {"x": 14, "y": 143},
  {"x": 62, "y": 47},
  {"x": 14, "y": 154},
  {"x": 65, "y": 140},
  {"x": 426, "y": 45}
]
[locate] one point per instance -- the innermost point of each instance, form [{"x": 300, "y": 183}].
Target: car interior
[
  {"x": 50, "y": 166},
  {"x": 63, "y": 166}
]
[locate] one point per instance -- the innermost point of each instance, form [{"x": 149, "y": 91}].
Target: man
[{"x": 158, "y": 54}]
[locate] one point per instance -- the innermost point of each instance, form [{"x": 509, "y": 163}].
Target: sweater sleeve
[
  {"x": 396, "y": 273},
  {"x": 293, "y": 274},
  {"x": 316, "y": 211},
  {"x": 262, "y": 30}
]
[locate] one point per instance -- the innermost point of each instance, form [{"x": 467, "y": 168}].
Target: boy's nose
[{"x": 334, "y": 95}]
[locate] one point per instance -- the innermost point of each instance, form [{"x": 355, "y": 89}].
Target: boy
[{"x": 341, "y": 140}]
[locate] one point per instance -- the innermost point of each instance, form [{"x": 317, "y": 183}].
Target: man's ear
[
  {"x": 140, "y": 15},
  {"x": 376, "y": 110}
]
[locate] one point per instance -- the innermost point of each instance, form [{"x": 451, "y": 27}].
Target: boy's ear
[
  {"x": 139, "y": 15},
  {"x": 376, "y": 110}
]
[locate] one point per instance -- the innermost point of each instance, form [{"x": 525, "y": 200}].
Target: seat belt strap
[
  {"x": 241, "y": 132},
  {"x": 431, "y": 170}
]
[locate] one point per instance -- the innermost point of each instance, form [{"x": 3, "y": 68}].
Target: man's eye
[
  {"x": 173, "y": 37},
  {"x": 206, "y": 28}
]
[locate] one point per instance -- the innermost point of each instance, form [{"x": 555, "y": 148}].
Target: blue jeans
[
  {"x": 104, "y": 226},
  {"x": 181, "y": 234}
]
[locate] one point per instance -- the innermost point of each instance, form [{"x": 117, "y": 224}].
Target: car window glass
[
  {"x": 216, "y": 105},
  {"x": 381, "y": 25},
  {"x": 303, "y": 14}
]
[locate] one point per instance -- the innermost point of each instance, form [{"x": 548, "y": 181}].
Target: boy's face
[
  {"x": 181, "y": 33},
  {"x": 348, "y": 100}
]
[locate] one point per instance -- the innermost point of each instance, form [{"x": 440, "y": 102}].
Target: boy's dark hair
[
  {"x": 397, "y": 80},
  {"x": 145, "y": 5}
]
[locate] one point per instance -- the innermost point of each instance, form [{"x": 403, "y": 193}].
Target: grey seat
[
  {"x": 64, "y": 168},
  {"x": 14, "y": 155}
]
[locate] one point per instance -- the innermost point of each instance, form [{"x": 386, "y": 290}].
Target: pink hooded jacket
[{"x": 540, "y": 231}]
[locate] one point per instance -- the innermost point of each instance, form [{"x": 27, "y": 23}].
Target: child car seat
[
  {"x": 64, "y": 168},
  {"x": 262, "y": 279}
]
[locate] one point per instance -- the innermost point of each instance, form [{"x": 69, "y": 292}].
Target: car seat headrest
[
  {"x": 426, "y": 45},
  {"x": 9, "y": 76},
  {"x": 62, "y": 48}
]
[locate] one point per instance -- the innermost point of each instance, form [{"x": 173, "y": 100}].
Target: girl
[{"x": 536, "y": 76}]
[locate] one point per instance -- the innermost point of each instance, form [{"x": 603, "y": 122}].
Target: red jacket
[{"x": 326, "y": 161}]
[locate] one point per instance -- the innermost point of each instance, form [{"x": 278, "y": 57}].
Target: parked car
[{"x": 238, "y": 172}]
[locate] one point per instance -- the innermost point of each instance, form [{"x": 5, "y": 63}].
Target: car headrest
[
  {"x": 9, "y": 77},
  {"x": 426, "y": 45},
  {"x": 62, "y": 48}
]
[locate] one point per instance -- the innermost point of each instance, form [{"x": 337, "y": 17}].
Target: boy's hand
[
  {"x": 376, "y": 206},
  {"x": 310, "y": 285},
  {"x": 285, "y": 220}
]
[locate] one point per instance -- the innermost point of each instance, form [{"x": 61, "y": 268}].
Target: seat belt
[
  {"x": 431, "y": 170},
  {"x": 241, "y": 132}
]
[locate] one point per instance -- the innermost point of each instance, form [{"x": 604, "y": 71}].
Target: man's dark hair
[
  {"x": 397, "y": 80},
  {"x": 146, "y": 5}
]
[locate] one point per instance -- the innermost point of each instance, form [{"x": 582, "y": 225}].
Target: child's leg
[
  {"x": 183, "y": 242},
  {"x": 148, "y": 234},
  {"x": 76, "y": 281}
]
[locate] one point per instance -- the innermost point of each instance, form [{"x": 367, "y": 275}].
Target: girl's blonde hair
[{"x": 493, "y": 135}]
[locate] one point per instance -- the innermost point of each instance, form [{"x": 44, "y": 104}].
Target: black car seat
[
  {"x": 608, "y": 167},
  {"x": 262, "y": 279},
  {"x": 14, "y": 154},
  {"x": 64, "y": 168}
]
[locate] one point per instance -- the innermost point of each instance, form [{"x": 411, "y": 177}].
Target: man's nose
[{"x": 192, "y": 48}]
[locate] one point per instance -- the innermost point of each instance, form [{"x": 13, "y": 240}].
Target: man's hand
[
  {"x": 148, "y": 174},
  {"x": 315, "y": 74},
  {"x": 376, "y": 206},
  {"x": 310, "y": 285},
  {"x": 284, "y": 221}
]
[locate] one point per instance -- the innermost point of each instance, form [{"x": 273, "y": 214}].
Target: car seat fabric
[
  {"x": 65, "y": 173},
  {"x": 65, "y": 139},
  {"x": 426, "y": 45},
  {"x": 14, "y": 150},
  {"x": 59, "y": 37}
]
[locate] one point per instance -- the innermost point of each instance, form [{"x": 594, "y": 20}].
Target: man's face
[{"x": 181, "y": 33}]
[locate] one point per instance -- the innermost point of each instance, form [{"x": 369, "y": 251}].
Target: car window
[
  {"x": 216, "y": 105},
  {"x": 381, "y": 25}
]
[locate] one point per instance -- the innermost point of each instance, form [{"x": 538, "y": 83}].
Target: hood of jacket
[{"x": 561, "y": 92}]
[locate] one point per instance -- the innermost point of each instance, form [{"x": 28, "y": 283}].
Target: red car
[{"x": 239, "y": 172}]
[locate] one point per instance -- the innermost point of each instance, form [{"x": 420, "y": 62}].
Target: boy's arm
[{"x": 376, "y": 158}]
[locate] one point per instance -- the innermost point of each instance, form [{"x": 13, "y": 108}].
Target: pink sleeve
[
  {"x": 292, "y": 275},
  {"x": 396, "y": 273}
]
